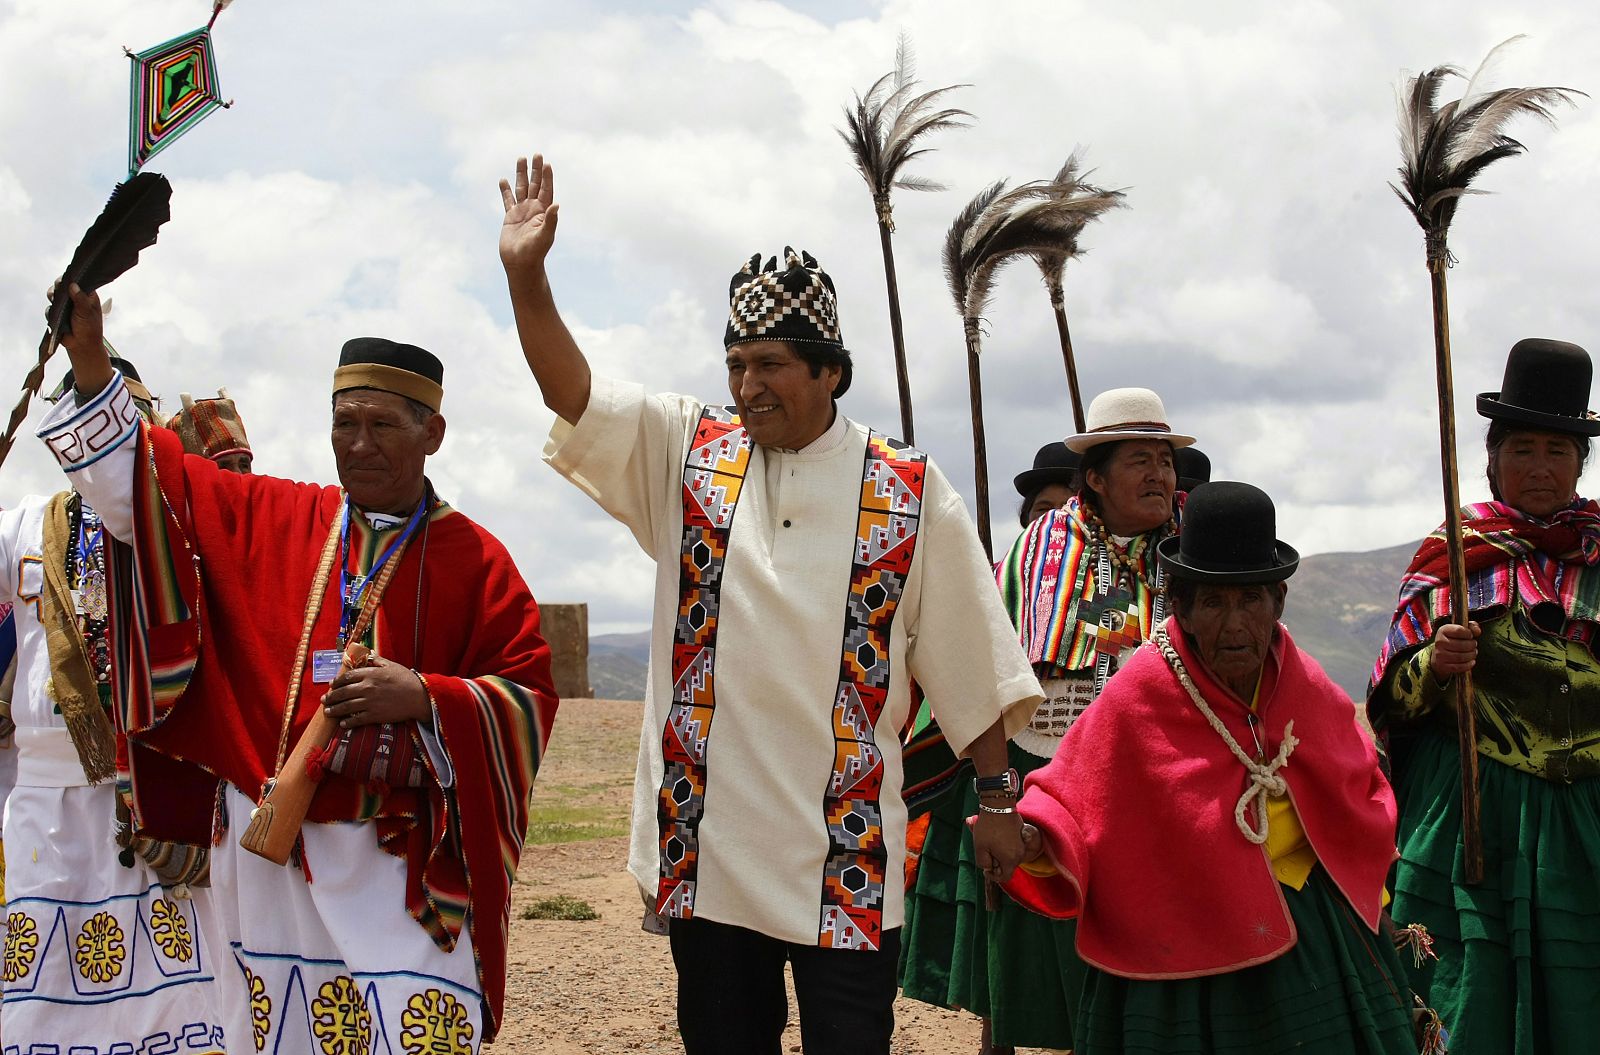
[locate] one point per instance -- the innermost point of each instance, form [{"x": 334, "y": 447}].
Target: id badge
[{"x": 325, "y": 663}]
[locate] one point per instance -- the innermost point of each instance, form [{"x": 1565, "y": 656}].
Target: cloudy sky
[{"x": 1264, "y": 278}]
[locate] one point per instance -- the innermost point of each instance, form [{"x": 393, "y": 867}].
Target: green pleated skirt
[
  {"x": 1339, "y": 991},
  {"x": 1013, "y": 967},
  {"x": 1519, "y": 955}
]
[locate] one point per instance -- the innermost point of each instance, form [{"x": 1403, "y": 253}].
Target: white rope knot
[{"x": 1265, "y": 782}]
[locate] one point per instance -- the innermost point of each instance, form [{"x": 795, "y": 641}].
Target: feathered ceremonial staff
[
  {"x": 995, "y": 228},
  {"x": 1082, "y": 204},
  {"x": 127, "y": 226},
  {"x": 1443, "y": 148},
  {"x": 882, "y": 132}
]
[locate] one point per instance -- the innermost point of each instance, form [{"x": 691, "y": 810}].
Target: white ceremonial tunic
[
  {"x": 98, "y": 958},
  {"x": 334, "y": 966},
  {"x": 763, "y": 842}
]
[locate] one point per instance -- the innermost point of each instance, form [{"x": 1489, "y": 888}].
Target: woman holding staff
[{"x": 1518, "y": 965}]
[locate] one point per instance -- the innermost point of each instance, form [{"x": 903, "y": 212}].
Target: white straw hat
[{"x": 1125, "y": 414}]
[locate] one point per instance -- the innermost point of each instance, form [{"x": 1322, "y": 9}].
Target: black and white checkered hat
[{"x": 796, "y": 304}]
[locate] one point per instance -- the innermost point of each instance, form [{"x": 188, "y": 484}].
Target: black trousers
[{"x": 732, "y": 1000}]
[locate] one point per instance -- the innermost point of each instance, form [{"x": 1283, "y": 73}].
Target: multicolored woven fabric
[
  {"x": 1507, "y": 554},
  {"x": 173, "y": 88},
  {"x": 713, "y": 475},
  {"x": 886, "y": 540},
  {"x": 1049, "y": 582},
  {"x": 211, "y": 428}
]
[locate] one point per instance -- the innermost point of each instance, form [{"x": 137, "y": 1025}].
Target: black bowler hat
[
  {"x": 1546, "y": 387},
  {"x": 1229, "y": 537},
  {"x": 1192, "y": 466},
  {"x": 1054, "y": 464}
]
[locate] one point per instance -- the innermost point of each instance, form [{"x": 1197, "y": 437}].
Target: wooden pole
[
  {"x": 980, "y": 448},
  {"x": 1059, "y": 303},
  {"x": 896, "y": 330},
  {"x": 1466, "y": 717}
]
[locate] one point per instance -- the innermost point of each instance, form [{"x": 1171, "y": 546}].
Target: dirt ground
[{"x": 604, "y": 986}]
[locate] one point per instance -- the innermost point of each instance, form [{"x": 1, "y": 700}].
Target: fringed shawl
[
  {"x": 1508, "y": 555},
  {"x": 1048, "y": 584}
]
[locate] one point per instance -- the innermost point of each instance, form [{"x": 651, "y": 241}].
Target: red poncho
[
  {"x": 1137, "y": 814},
  {"x": 222, "y": 565}
]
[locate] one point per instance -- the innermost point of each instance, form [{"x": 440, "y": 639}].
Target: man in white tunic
[
  {"x": 99, "y": 955},
  {"x": 808, "y": 569}
]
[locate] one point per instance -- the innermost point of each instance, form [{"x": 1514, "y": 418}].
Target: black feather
[{"x": 127, "y": 226}]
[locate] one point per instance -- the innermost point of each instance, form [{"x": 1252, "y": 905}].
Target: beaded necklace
[
  {"x": 86, "y": 576},
  {"x": 1124, "y": 565}
]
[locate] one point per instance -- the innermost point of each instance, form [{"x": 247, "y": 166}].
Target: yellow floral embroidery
[
  {"x": 435, "y": 1023},
  {"x": 170, "y": 928},
  {"x": 340, "y": 1019},
  {"x": 22, "y": 945},
  {"x": 260, "y": 1007},
  {"x": 100, "y": 948}
]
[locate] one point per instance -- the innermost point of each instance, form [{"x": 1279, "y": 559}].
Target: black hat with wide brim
[
  {"x": 1546, "y": 386},
  {"x": 1229, "y": 537},
  {"x": 1054, "y": 464}
]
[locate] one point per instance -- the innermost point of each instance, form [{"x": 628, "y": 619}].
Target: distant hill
[
  {"x": 618, "y": 664},
  {"x": 1338, "y": 610}
]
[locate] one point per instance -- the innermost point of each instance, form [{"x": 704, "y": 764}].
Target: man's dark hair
[
  {"x": 1500, "y": 430},
  {"x": 1095, "y": 459},
  {"x": 818, "y": 355}
]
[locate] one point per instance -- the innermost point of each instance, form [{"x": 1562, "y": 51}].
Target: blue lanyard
[
  {"x": 352, "y": 599},
  {"x": 86, "y": 547}
]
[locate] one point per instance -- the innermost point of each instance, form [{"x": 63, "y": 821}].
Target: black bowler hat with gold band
[{"x": 388, "y": 366}]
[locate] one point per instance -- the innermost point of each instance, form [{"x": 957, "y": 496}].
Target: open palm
[{"x": 529, "y": 229}]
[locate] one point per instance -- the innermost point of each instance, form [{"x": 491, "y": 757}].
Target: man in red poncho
[{"x": 223, "y": 660}]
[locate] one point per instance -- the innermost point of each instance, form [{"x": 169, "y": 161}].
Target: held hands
[
  {"x": 530, "y": 225},
  {"x": 1455, "y": 649},
  {"x": 997, "y": 844},
  {"x": 1032, "y": 843},
  {"x": 380, "y": 692}
]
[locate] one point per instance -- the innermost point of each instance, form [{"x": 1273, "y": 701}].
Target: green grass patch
[
  {"x": 562, "y": 906},
  {"x": 562, "y": 814}
]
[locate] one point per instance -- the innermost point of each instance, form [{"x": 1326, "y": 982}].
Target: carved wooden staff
[{"x": 1443, "y": 149}]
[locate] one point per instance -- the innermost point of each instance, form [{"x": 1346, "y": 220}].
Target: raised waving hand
[
  {"x": 529, "y": 229},
  {"x": 526, "y": 236}
]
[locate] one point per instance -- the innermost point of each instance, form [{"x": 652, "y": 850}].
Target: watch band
[{"x": 1007, "y": 783}]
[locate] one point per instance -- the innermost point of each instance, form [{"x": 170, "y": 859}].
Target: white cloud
[{"x": 1263, "y": 278}]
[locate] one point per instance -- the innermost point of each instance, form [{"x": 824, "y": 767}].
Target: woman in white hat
[{"x": 1084, "y": 589}]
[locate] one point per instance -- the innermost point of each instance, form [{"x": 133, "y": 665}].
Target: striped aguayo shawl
[
  {"x": 1508, "y": 555},
  {"x": 209, "y": 602},
  {"x": 1047, "y": 582}
]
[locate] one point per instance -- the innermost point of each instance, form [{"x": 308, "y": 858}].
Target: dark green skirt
[
  {"x": 1339, "y": 991},
  {"x": 1013, "y": 967},
  {"x": 1519, "y": 955}
]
